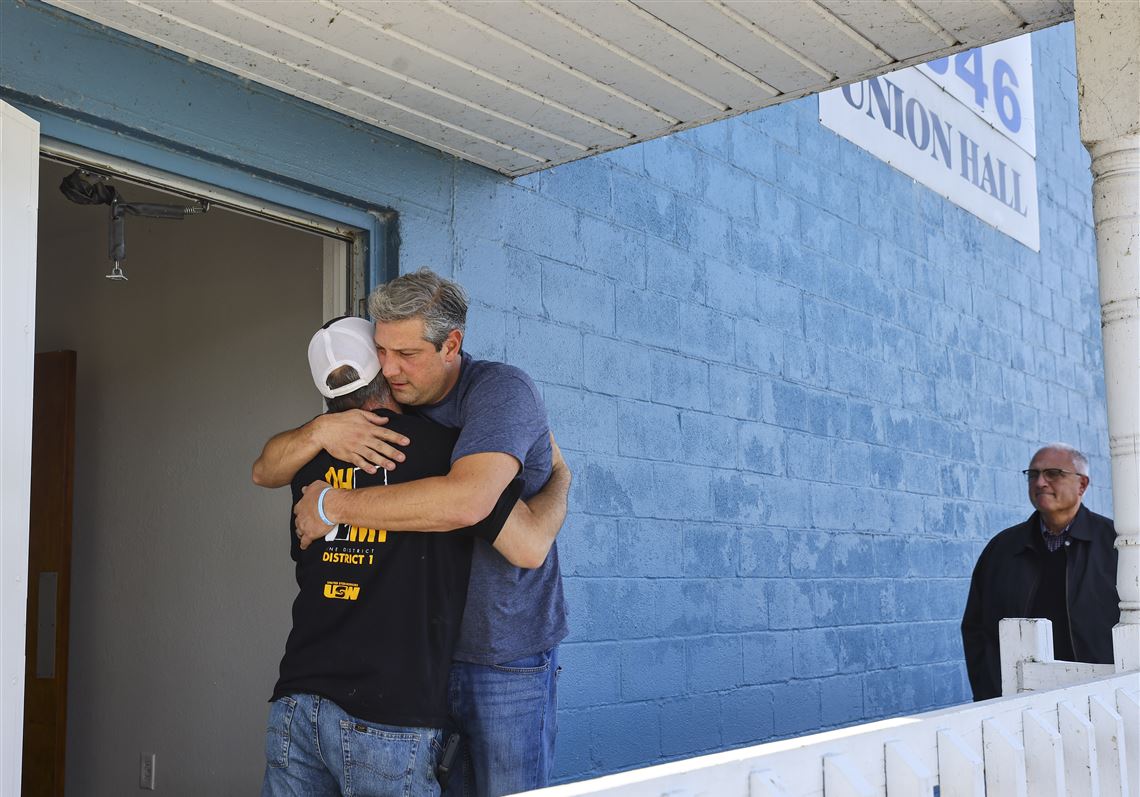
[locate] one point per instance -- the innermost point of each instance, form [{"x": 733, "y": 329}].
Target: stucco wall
[{"x": 795, "y": 386}]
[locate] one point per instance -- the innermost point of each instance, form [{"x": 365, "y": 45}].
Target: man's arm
[
  {"x": 974, "y": 636},
  {"x": 353, "y": 436},
  {"x": 463, "y": 497},
  {"x": 532, "y": 526}
]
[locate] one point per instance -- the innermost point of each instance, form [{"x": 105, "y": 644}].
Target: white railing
[{"x": 1074, "y": 740}]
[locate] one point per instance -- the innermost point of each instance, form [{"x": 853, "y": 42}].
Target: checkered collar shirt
[{"x": 1055, "y": 542}]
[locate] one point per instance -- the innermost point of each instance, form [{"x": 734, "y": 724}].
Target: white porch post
[{"x": 1107, "y": 32}]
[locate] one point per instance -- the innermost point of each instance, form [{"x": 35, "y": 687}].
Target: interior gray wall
[{"x": 181, "y": 581}]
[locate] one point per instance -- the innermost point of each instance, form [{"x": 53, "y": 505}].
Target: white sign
[
  {"x": 970, "y": 136},
  {"x": 996, "y": 82}
]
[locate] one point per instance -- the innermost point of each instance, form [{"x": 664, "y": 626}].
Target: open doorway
[{"x": 180, "y": 579}]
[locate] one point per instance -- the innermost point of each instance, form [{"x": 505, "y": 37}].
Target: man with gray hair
[
  {"x": 1059, "y": 564},
  {"x": 348, "y": 715},
  {"x": 504, "y": 675}
]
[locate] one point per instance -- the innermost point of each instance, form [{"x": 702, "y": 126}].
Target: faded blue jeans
[
  {"x": 314, "y": 749},
  {"x": 507, "y": 715}
]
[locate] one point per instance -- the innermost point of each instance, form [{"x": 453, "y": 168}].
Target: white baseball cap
[{"x": 343, "y": 341}]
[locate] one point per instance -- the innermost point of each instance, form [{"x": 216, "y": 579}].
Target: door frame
[
  {"x": 366, "y": 256},
  {"x": 276, "y": 192},
  {"x": 345, "y": 249},
  {"x": 19, "y": 212}
]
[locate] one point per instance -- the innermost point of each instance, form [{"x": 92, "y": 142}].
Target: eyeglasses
[{"x": 1050, "y": 474}]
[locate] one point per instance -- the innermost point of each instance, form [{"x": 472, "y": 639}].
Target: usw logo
[{"x": 342, "y": 590}]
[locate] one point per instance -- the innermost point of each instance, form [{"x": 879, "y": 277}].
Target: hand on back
[{"x": 360, "y": 438}]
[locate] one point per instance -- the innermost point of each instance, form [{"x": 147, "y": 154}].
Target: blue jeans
[
  {"x": 507, "y": 716},
  {"x": 314, "y": 749}
]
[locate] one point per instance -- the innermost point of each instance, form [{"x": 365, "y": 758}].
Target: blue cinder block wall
[
  {"x": 799, "y": 388},
  {"x": 796, "y": 387}
]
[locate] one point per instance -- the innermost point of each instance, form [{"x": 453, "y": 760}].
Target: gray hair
[
  {"x": 441, "y": 303},
  {"x": 376, "y": 390},
  {"x": 1080, "y": 461}
]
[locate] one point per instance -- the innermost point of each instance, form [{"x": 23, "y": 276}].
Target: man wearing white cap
[
  {"x": 504, "y": 679},
  {"x": 361, "y": 702}
]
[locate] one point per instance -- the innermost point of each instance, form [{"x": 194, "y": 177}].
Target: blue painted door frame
[{"x": 378, "y": 227}]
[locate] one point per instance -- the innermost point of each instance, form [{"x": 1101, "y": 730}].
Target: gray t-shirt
[{"x": 510, "y": 612}]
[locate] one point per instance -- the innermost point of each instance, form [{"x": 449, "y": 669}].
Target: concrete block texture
[{"x": 846, "y": 372}]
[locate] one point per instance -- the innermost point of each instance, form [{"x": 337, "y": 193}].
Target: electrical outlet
[{"x": 146, "y": 771}]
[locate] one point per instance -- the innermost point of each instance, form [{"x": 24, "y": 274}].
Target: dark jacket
[{"x": 1004, "y": 583}]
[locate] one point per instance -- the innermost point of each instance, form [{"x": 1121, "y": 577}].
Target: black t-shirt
[{"x": 378, "y": 611}]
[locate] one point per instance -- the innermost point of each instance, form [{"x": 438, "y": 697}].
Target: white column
[{"x": 1107, "y": 33}]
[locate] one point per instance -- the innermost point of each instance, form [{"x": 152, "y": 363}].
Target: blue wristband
[{"x": 321, "y": 508}]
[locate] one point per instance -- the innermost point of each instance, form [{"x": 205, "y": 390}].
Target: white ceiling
[{"x": 523, "y": 85}]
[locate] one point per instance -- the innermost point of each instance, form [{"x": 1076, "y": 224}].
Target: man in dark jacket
[{"x": 1059, "y": 564}]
